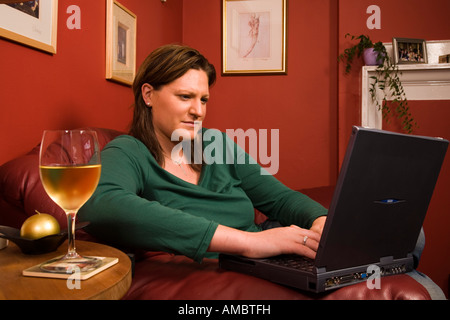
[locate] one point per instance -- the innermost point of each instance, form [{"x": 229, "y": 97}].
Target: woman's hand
[
  {"x": 267, "y": 243},
  {"x": 318, "y": 225},
  {"x": 285, "y": 240}
]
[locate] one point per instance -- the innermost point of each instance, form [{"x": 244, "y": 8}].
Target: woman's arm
[
  {"x": 280, "y": 203},
  {"x": 272, "y": 197},
  {"x": 267, "y": 243}
]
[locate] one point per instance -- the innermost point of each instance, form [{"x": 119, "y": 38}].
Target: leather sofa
[{"x": 163, "y": 276}]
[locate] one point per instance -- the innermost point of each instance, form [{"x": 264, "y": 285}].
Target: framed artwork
[
  {"x": 409, "y": 50},
  {"x": 32, "y": 23},
  {"x": 120, "y": 43},
  {"x": 253, "y": 37}
]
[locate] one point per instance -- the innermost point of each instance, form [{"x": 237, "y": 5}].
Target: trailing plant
[
  {"x": 386, "y": 83},
  {"x": 357, "y": 50}
]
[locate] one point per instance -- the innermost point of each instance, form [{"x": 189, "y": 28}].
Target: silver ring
[{"x": 304, "y": 240}]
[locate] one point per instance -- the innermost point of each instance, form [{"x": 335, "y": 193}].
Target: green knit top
[{"x": 138, "y": 204}]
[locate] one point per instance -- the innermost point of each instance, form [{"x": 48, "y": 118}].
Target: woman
[{"x": 148, "y": 199}]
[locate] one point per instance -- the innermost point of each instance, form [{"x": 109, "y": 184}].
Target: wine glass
[{"x": 69, "y": 166}]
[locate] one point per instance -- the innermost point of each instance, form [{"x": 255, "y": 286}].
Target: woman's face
[{"x": 178, "y": 105}]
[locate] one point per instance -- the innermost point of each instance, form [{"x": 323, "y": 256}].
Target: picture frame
[
  {"x": 409, "y": 51},
  {"x": 31, "y": 23},
  {"x": 254, "y": 37},
  {"x": 121, "y": 25}
]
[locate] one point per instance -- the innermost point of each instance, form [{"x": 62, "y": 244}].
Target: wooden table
[{"x": 111, "y": 283}]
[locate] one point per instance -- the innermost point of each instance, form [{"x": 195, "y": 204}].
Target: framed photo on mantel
[
  {"x": 253, "y": 37},
  {"x": 120, "y": 43},
  {"x": 409, "y": 51}
]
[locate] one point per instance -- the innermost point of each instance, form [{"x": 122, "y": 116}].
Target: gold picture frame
[
  {"x": 254, "y": 37},
  {"x": 31, "y": 23},
  {"x": 121, "y": 26}
]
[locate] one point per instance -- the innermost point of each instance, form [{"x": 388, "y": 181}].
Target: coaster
[{"x": 37, "y": 271}]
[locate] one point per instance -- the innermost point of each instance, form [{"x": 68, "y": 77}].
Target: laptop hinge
[
  {"x": 321, "y": 270},
  {"x": 390, "y": 259},
  {"x": 387, "y": 259}
]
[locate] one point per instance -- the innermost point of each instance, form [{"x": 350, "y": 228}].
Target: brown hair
[{"x": 161, "y": 67}]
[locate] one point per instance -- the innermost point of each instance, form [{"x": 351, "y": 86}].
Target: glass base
[{"x": 71, "y": 264}]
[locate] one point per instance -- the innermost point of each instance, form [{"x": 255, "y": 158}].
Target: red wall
[
  {"x": 302, "y": 104},
  {"x": 402, "y": 19},
  {"x": 41, "y": 91}
]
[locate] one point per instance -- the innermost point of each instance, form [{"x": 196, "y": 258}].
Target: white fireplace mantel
[{"x": 420, "y": 81}]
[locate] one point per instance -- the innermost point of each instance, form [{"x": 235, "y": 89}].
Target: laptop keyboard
[{"x": 293, "y": 261}]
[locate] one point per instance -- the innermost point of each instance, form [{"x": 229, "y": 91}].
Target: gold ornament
[{"x": 39, "y": 225}]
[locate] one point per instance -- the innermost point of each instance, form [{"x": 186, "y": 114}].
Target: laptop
[{"x": 378, "y": 207}]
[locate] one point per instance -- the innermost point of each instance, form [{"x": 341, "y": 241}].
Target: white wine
[
  {"x": 69, "y": 165},
  {"x": 70, "y": 186}
]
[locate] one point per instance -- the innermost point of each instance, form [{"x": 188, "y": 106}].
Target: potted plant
[{"x": 387, "y": 79}]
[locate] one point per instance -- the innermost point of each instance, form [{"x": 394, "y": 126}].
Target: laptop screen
[{"x": 381, "y": 197}]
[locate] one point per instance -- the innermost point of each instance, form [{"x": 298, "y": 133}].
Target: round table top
[{"x": 111, "y": 283}]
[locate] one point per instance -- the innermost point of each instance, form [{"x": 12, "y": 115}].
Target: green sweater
[{"x": 140, "y": 205}]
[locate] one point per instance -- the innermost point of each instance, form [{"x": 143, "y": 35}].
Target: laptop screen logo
[{"x": 390, "y": 201}]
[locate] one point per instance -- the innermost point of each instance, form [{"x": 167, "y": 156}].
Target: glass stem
[{"x": 71, "y": 252}]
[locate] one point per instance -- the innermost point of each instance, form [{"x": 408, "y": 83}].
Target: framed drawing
[
  {"x": 253, "y": 37},
  {"x": 120, "y": 43},
  {"x": 32, "y": 23},
  {"x": 409, "y": 50}
]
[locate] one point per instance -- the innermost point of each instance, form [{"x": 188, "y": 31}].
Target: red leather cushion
[{"x": 163, "y": 276}]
